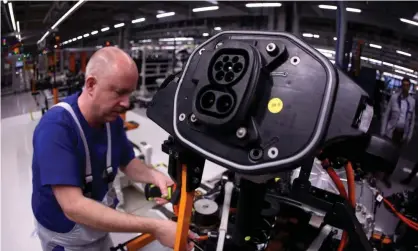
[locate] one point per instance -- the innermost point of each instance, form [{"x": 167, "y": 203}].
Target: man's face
[
  {"x": 405, "y": 86},
  {"x": 111, "y": 95}
]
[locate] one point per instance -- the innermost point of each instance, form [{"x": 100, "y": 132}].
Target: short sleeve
[
  {"x": 55, "y": 152},
  {"x": 127, "y": 149}
]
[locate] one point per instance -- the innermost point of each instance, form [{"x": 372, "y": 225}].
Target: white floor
[{"x": 17, "y": 225}]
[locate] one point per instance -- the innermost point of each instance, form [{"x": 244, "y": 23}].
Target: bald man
[{"x": 79, "y": 145}]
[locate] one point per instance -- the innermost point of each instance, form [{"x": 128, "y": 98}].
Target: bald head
[
  {"x": 111, "y": 77},
  {"x": 110, "y": 60}
]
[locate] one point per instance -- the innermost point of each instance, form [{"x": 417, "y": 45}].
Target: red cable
[{"x": 410, "y": 223}]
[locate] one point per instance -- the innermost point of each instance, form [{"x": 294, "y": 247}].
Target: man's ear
[{"x": 90, "y": 84}]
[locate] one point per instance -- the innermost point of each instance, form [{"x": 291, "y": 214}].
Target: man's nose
[{"x": 125, "y": 102}]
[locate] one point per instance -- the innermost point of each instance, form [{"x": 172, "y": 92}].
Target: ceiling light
[
  {"x": 327, "y": 7},
  {"x": 5, "y": 1},
  {"x": 316, "y": 36},
  {"x": 99, "y": 46},
  {"x": 335, "y": 38},
  {"x": 364, "y": 58},
  {"x": 409, "y": 21},
  {"x": 105, "y": 29},
  {"x": 86, "y": 35},
  {"x": 375, "y": 46},
  {"x": 138, "y": 20},
  {"x": 160, "y": 11},
  {"x": 412, "y": 75},
  {"x": 217, "y": 28},
  {"x": 403, "y": 53},
  {"x": 55, "y": 46},
  {"x": 388, "y": 64},
  {"x": 74, "y": 39},
  {"x": 353, "y": 10},
  {"x": 205, "y": 34},
  {"x": 400, "y": 72},
  {"x": 325, "y": 51},
  {"x": 258, "y": 5},
  {"x": 209, "y": 8},
  {"x": 307, "y": 35},
  {"x": 176, "y": 39},
  {"x": 119, "y": 25},
  {"x": 375, "y": 61},
  {"x": 166, "y": 14},
  {"x": 12, "y": 15},
  {"x": 18, "y": 26},
  {"x": 43, "y": 37},
  {"x": 79, "y": 37},
  {"x": 403, "y": 68},
  {"x": 94, "y": 32},
  {"x": 75, "y": 6}
]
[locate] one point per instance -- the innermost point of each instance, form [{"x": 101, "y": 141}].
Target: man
[
  {"x": 78, "y": 147},
  {"x": 399, "y": 118}
]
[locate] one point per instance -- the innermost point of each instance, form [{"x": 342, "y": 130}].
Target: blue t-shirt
[{"x": 59, "y": 159}]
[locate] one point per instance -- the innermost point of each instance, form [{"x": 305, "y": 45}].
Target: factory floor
[{"x": 19, "y": 118}]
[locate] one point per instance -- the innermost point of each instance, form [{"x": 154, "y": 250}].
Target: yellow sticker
[{"x": 275, "y": 105}]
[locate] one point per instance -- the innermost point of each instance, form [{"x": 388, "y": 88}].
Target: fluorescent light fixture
[
  {"x": 43, "y": 37},
  {"x": 79, "y": 37},
  {"x": 374, "y": 61},
  {"x": 86, "y": 35},
  {"x": 209, "y": 8},
  {"x": 412, "y": 75},
  {"x": 138, "y": 20},
  {"x": 375, "y": 46},
  {"x": 205, "y": 34},
  {"x": 364, "y": 58},
  {"x": 414, "y": 82},
  {"x": 403, "y": 53},
  {"x": 217, "y": 28},
  {"x": 400, "y": 72},
  {"x": 326, "y": 54},
  {"x": 353, "y": 10},
  {"x": 316, "y": 36},
  {"x": 105, "y": 29},
  {"x": 12, "y": 15},
  {"x": 99, "y": 46},
  {"x": 327, "y": 7},
  {"x": 160, "y": 11},
  {"x": 387, "y": 64},
  {"x": 307, "y": 35},
  {"x": 166, "y": 14},
  {"x": 403, "y": 68},
  {"x": 94, "y": 32},
  {"x": 176, "y": 39},
  {"x": 335, "y": 38},
  {"x": 74, "y": 39},
  {"x": 260, "y": 5},
  {"x": 119, "y": 25},
  {"x": 75, "y": 6},
  {"x": 145, "y": 41},
  {"x": 325, "y": 51},
  {"x": 18, "y": 26},
  {"x": 408, "y": 21}
]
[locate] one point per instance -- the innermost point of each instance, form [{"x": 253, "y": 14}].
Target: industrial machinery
[{"x": 263, "y": 104}]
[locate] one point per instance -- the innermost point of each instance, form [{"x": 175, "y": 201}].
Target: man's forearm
[
  {"x": 95, "y": 215},
  {"x": 138, "y": 171}
]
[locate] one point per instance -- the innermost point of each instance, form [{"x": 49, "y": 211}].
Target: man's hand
[
  {"x": 165, "y": 233},
  {"x": 163, "y": 182}
]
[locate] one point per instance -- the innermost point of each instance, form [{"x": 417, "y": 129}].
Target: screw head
[
  {"x": 197, "y": 170},
  {"x": 182, "y": 117},
  {"x": 241, "y": 132},
  {"x": 195, "y": 180}
]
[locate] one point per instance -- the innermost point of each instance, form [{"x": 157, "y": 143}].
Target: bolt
[
  {"x": 195, "y": 180},
  {"x": 241, "y": 132},
  {"x": 182, "y": 117},
  {"x": 271, "y": 48},
  {"x": 197, "y": 170},
  {"x": 193, "y": 118}
]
